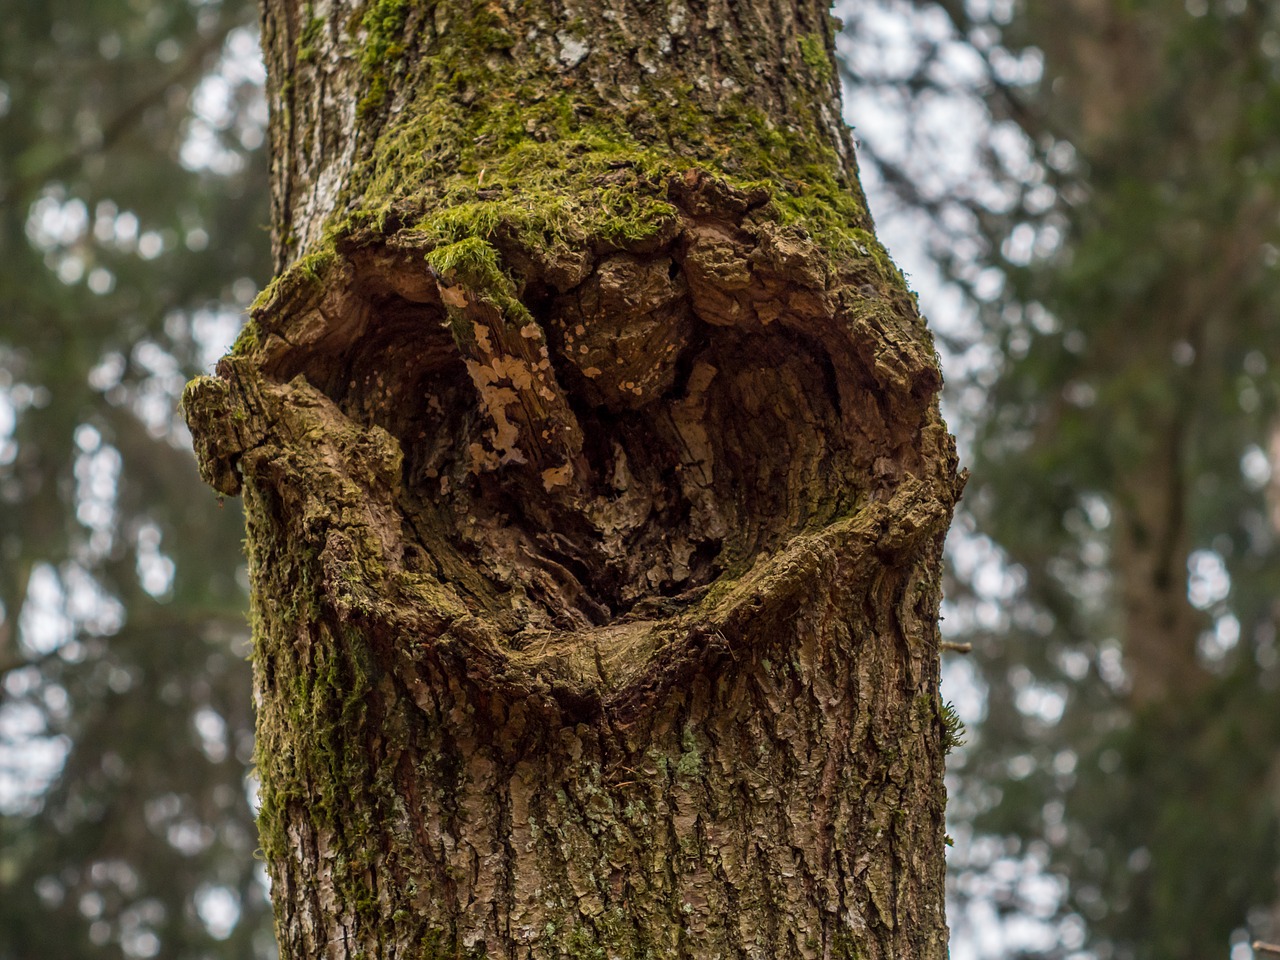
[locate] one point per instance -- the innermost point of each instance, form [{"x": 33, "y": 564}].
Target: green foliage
[{"x": 952, "y": 727}]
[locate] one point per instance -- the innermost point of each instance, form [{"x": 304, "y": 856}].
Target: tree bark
[{"x": 596, "y": 490}]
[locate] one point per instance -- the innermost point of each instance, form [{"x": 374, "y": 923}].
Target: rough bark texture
[{"x": 596, "y": 492}]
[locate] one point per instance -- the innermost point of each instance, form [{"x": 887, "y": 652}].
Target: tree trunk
[{"x": 596, "y": 491}]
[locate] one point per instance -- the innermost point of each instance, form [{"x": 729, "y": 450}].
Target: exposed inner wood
[{"x": 567, "y": 454}]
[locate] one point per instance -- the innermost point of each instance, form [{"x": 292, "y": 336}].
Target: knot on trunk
[{"x": 592, "y": 435}]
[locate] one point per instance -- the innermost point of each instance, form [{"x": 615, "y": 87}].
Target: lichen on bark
[{"x": 596, "y": 489}]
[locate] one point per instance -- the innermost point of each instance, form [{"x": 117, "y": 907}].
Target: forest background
[{"x": 1086, "y": 196}]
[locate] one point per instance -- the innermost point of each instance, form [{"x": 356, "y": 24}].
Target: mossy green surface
[
  {"x": 247, "y": 340},
  {"x": 471, "y": 260},
  {"x": 813, "y": 50},
  {"x": 535, "y": 170},
  {"x": 309, "y": 270},
  {"x": 483, "y": 144},
  {"x": 311, "y": 29},
  {"x": 382, "y": 25}
]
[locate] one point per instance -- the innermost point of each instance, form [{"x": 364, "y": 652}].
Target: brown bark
[{"x": 596, "y": 491}]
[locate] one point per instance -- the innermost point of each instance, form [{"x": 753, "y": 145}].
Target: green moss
[
  {"x": 310, "y": 35},
  {"x": 383, "y": 26},
  {"x": 845, "y": 947},
  {"x": 689, "y": 766},
  {"x": 541, "y": 195},
  {"x": 303, "y": 751},
  {"x": 438, "y": 945},
  {"x": 813, "y": 51},
  {"x": 265, "y": 295},
  {"x": 866, "y": 244},
  {"x": 471, "y": 261},
  {"x": 489, "y": 148},
  {"x": 609, "y": 935},
  {"x": 247, "y": 340},
  {"x": 581, "y": 945},
  {"x": 315, "y": 266},
  {"x": 309, "y": 271}
]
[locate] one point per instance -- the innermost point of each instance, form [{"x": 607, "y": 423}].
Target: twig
[
  {"x": 1261, "y": 947},
  {"x": 957, "y": 647}
]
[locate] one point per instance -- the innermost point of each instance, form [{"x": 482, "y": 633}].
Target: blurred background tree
[
  {"x": 132, "y": 232},
  {"x": 1096, "y": 189}
]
